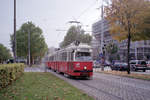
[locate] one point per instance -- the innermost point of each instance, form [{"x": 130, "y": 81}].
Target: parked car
[
  {"x": 136, "y": 65},
  {"x": 107, "y": 64},
  {"x": 121, "y": 66},
  {"x": 148, "y": 65},
  {"x": 17, "y": 61},
  {"x": 96, "y": 64},
  {"x": 10, "y": 61}
]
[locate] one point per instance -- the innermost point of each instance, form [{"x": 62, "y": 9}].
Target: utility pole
[
  {"x": 15, "y": 46},
  {"x": 29, "y": 47}
]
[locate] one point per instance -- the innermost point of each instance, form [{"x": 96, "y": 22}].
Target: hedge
[{"x": 9, "y": 73}]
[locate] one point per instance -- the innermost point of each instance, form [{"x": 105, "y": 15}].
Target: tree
[
  {"x": 37, "y": 41},
  {"x": 4, "y": 53},
  {"x": 128, "y": 20},
  {"x": 75, "y": 33},
  {"x": 112, "y": 50}
]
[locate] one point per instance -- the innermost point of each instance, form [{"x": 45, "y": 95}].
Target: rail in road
[{"x": 109, "y": 87}]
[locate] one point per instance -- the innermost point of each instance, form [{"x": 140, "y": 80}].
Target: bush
[{"x": 9, "y": 73}]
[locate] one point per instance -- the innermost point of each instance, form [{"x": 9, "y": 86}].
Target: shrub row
[{"x": 9, "y": 73}]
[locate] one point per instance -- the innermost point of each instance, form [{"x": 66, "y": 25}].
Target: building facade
[{"x": 102, "y": 37}]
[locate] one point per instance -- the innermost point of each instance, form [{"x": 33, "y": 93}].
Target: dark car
[
  {"x": 121, "y": 66},
  {"x": 17, "y": 61},
  {"x": 21, "y": 61},
  {"x": 10, "y": 61}
]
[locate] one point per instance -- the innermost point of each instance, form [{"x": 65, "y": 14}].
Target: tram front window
[{"x": 83, "y": 56}]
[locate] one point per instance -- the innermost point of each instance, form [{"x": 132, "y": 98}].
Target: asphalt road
[{"x": 107, "y": 87}]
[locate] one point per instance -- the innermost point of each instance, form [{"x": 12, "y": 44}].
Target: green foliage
[
  {"x": 111, "y": 48},
  {"x": 9, "y": 73},
  {"x": 4, "y": 53},
  {"x": 113, "y": 57},
  {"x": 75, "y": 33},
  {"x": 37, "y": 41}
]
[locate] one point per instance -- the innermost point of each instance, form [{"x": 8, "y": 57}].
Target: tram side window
[
  {"x": 72, "y": 56},
  {"x": 51, "y": 58},
  {"x": 64, "y": 56},
  {"x": 60, "y": 56},
  {"x": 55, "y": 58}
]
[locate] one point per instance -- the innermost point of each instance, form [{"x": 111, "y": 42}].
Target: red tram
[{"x": 74, "y": 61}]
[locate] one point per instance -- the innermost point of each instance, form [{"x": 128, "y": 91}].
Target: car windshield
[
  {"x": 124, "y": 64},
  {"x": 143, "y": 63},
  {"x": 133, "y": 63}
]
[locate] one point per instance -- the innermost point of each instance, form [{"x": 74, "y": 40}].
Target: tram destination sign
[{"x": 84, "y": 49}]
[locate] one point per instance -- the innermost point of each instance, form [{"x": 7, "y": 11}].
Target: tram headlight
[{"x": 85, "y": 67}]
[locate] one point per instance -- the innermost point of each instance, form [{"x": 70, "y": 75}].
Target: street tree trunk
[{"x": 128, "y": 53}]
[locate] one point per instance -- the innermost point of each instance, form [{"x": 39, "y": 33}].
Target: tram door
[{"x": 70, "y": 61}]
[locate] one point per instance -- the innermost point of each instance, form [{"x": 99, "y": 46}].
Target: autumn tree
[
  {"x": 4, "y": 53},
  {"x": 75, "y": 33},
  {"x": 129, "y": 19},
  {"x": 38, "y": 47}
]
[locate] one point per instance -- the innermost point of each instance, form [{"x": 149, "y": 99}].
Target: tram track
[
  {"x": 75, "y": 82},
  {"x": 99, "y": 92}
]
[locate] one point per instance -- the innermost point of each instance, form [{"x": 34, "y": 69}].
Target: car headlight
[{"x": 85, "y": 67}]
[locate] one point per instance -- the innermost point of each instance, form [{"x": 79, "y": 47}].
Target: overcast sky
[{"x": 49, "y": 15}]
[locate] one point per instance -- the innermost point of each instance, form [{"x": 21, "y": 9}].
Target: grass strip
[
  {"x": 41, "y": 86},
  {"x": 124, "y": 74}
]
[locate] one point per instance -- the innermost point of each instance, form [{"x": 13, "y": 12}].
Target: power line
[{"x": 87, "y": 9}]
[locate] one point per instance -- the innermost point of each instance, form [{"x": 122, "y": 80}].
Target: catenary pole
[
  {"x": 15, "y": 46},
  {"x": 29, "y": 56}
]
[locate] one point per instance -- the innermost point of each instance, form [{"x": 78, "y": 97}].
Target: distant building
[{"x": 138, "y": 50}]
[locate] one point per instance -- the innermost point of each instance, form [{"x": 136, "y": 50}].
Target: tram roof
[
  {"x": 73, "y": 46},
  {"x": 81, "y": 45}
]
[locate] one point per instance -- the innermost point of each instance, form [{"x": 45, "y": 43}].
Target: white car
[
  {"x": 136, "y": 65},
  {"x": 148, "y": 64},
  {"x": 96, "y": 64}
]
